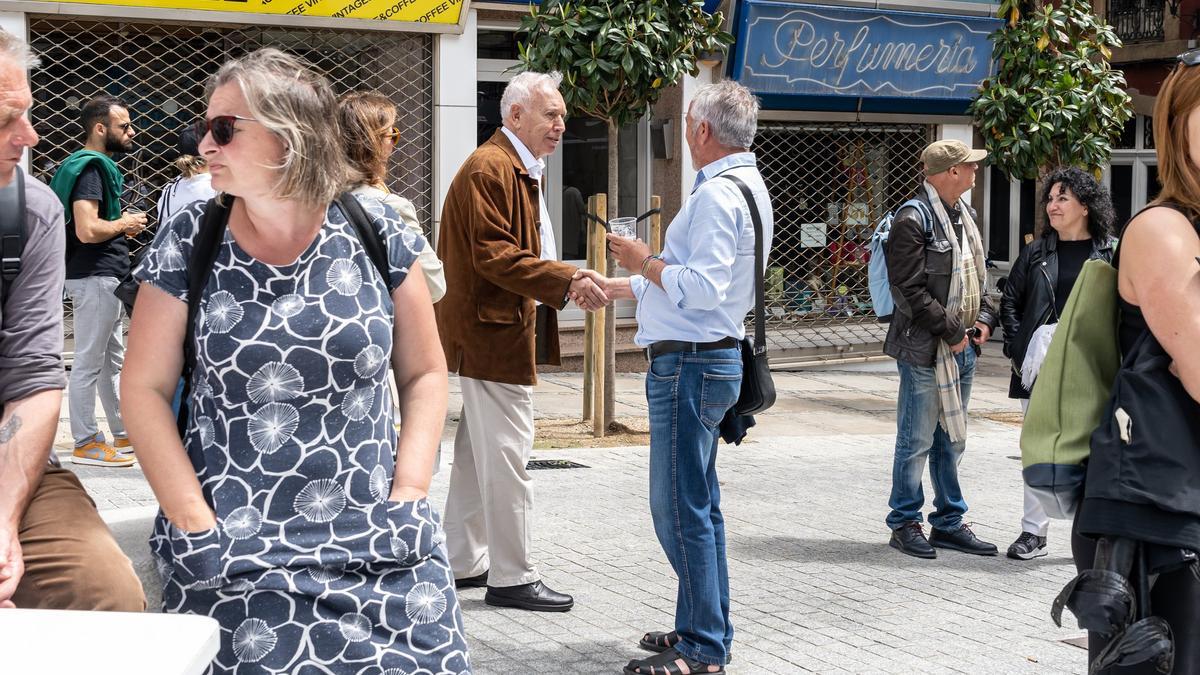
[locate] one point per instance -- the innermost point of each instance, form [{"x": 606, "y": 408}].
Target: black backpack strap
[
  {"x": 760, "y": 318},
  {"x": 368, "y": 234},
  {"x": 12, "y": 230},
  {"x": 205, "y": 247}
]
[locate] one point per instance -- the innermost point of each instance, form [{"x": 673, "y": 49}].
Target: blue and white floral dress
[{"x": 310, "y": 569}]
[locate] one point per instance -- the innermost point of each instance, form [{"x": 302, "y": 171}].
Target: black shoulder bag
[{"x": 758, "y": 389}]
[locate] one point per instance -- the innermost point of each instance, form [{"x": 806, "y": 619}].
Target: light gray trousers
[
  {"x": 99, "y": 356},
  {"x": 489, "y": 509}
]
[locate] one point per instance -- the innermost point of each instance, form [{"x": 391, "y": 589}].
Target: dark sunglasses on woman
[
  {"x": 221, "y": 126},
  {"x": 1189, "y": 58}
]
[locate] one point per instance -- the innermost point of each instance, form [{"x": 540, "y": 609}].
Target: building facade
[{"x": 850, "y": 96}]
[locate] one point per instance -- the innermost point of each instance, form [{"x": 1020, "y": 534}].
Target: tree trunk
[
  {"x": 1040, "y": 221},
  {"x": 610, "y": 317}
]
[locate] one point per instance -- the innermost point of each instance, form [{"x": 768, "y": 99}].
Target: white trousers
[
  {"x": 1035, "y": 520},
  {"x": 489, "y": 509}
]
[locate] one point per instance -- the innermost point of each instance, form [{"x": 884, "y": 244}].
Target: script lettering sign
[{"x": 786, "y": 49}]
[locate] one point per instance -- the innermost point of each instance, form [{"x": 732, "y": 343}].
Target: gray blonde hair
[
  {"x": 730, "y": 110},
  {"x": 519, "y": 90},
  {"x": 295, "y": 103},
  {"x": 14, "y": 48}
]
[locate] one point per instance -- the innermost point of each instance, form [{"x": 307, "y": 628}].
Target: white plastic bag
[{"x": 1035, "y": 353}]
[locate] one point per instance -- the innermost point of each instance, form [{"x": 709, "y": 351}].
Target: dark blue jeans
[
  {"x": 920, "y": 436},
  {"x": 688, "y": 394}
]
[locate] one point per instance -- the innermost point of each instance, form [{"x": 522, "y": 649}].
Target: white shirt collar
[{"x": 535, "y": 167}]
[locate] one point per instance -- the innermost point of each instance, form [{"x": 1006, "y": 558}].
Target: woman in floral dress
[{"x": 293, "y": 512}]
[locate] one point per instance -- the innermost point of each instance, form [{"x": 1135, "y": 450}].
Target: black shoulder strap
[
  {"x": 760, "y": 318},
  {"x": 205, "y": 247},
  {"x": 368, "y": 234},
  {"x": 12, "y": 230}
]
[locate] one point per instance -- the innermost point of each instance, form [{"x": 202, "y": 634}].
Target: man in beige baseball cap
[
  {"x": 935, "y": 267},
  {"x": 941, "y": 156}
]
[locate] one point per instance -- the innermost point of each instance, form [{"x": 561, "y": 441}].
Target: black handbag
[
  {"x": 1146, "y": 455},
  {"x": 758, "y": 389}
]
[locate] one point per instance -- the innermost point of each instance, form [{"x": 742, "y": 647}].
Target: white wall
[
  {"x": 966, "y": 134},
  {"x": 15, "y": 23},
  {"x": 454, "y": 109},
  {"x": 687, "y": 178}
]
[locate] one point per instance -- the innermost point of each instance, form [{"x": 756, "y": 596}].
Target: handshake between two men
[{"x": 591, "y": 290}]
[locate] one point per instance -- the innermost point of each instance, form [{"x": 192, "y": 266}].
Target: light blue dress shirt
[{"x": 709, "y": 251}]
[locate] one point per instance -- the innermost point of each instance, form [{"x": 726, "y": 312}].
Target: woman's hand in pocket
[
  {"x": 191, "y": 523},
  {"x": 407, "y": 493}
]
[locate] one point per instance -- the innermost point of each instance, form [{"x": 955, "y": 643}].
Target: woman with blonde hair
[
  {"x": 292, "y": 511},
  {"x": 370, "y": 135}
]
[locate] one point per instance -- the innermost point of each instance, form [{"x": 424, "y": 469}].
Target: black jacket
[
  {"x": 919, "y": 273},
  {"x": 1028, "y": 301}
]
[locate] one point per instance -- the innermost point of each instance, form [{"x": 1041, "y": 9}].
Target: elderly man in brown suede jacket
[{"x": 504, "y": 285}]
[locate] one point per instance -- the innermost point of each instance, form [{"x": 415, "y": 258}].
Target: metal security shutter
[
  {"x": 160, "y": 71},
  {"x": 830, "y": 183}
]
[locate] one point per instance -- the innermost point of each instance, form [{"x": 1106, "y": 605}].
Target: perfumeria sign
[{"x": 837, "y": 51}]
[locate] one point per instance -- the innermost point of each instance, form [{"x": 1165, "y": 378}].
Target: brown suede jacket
[{"x": 489, "y": 243}]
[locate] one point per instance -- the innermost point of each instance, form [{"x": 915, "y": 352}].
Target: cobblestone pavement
[{"x": 815, "y": 588}]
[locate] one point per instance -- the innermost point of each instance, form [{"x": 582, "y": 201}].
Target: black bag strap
[
  {"x": 760, "y": 318},
  {"x": 368, "y": 234},
  {"x": 205, "y": 247},
  {"x": 207, "y": 244},
  {"x": 12, "y": 230}
]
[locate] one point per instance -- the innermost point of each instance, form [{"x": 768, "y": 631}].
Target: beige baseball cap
[{"x": 939, "y": 156}]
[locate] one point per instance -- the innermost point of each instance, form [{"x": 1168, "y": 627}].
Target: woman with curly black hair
[{"x": 1080, "y": 214}]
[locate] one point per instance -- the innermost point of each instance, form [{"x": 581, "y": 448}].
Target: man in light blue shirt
[{"x": 692, "y": 305}]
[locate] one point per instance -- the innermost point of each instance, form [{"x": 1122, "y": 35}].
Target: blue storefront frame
[{"x": 799, "y": 56}]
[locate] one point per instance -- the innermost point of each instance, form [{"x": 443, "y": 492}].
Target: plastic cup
[{"x": 624, "y": 227}]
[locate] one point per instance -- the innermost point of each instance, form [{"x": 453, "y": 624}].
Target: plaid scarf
[{"x": 954, "y": 414}]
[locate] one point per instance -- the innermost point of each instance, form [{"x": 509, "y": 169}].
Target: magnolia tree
[
  {"x": 1055, "y": 100},
  {"x": 617, "y": 58}
]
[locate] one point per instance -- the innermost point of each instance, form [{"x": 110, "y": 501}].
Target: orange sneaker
[
  {"x": 122, "y": 446},
  {"x": 99, "y": 453}
]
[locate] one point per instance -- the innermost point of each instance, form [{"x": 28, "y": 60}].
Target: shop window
[
  {"x": 1132, "y": 176},
  {"x": 496, "y": 44},
  {"x": 999, "y": 188},
  {"x": 830, "y": 184},
  {"x": 585, "y": 173}
]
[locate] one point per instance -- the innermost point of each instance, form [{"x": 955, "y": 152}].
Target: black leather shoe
[
  {"x": 477, "y": 581},
  {"x": 962, "y": 539},
  {"x": 910, "y": 538},
  {"x": 535, "y": 597}
]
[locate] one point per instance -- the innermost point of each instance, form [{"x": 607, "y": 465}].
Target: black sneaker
[
  {"x": 910, "y": 538},
  {"x": 962, "y": 539},
  {"x": 1027, "y": 547}
]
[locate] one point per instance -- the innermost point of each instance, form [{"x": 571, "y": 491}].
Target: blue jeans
[
  {"x": 688, "y": 394},
  {"x": 919, "y": 435}
]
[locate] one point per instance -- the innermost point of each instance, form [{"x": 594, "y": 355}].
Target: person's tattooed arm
[{"x": 26, "y": 433}]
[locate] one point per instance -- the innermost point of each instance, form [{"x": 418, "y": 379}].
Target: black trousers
[{"x": 1175, "y": 597}]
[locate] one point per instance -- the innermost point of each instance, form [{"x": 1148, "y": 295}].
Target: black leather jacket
[
  {"x": 919, "y": 273},
  {"x": 1028, "y": 301}
]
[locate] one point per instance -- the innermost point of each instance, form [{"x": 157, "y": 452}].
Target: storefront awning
[{"x": 814, "y": 57}]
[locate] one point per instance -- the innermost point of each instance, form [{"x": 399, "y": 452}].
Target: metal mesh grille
[
  {"x": 159, "y": 70},
  {"x": 830, "y": 183}
]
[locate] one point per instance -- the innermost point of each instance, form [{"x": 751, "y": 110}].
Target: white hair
[
  {"x": 730, "y": 110},
  {"x": 15, "y": 49},
  {"x": 520, "y": 90}
]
